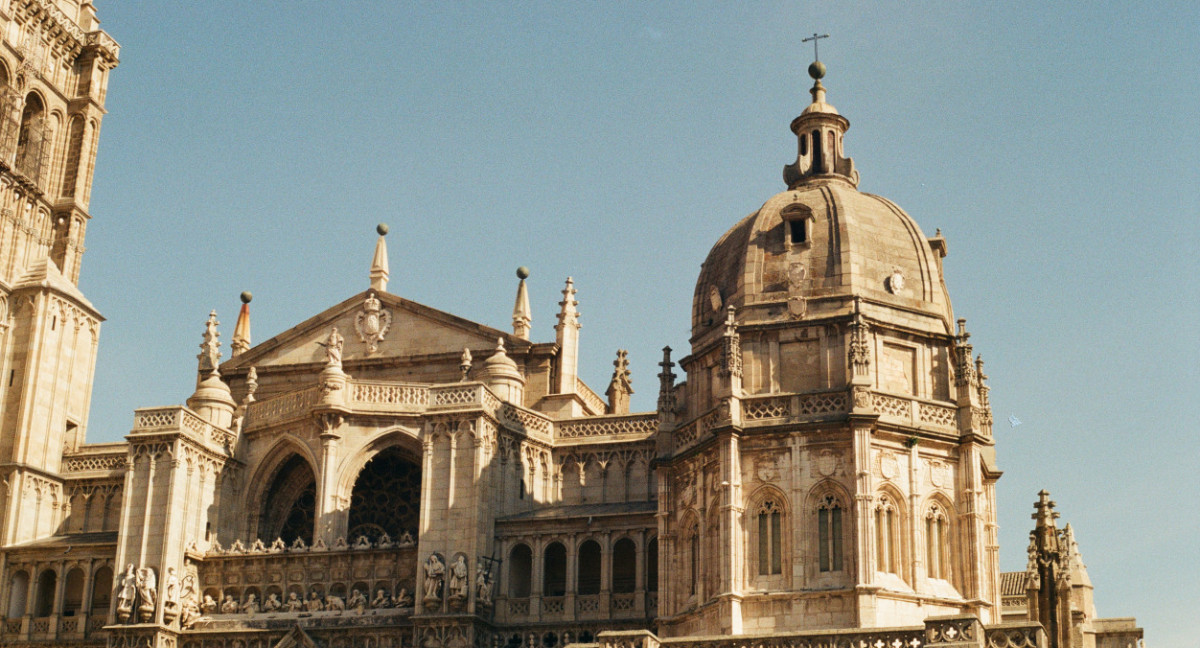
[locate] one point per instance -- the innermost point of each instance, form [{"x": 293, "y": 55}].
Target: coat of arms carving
[{"x": 372, "y": 323}]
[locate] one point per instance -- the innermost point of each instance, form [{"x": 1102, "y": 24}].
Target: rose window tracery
[{"x": 386, "y": 497}]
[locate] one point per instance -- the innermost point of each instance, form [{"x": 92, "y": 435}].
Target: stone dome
[{"x": 808, "y": 252}]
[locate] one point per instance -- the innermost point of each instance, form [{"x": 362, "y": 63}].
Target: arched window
[
  {"x": 520, "y": 570},
  {"x": 887, "y": 535},
  {"x": 589, "y": 568},
  {"x": 829, "y": 534},
  {"x": 818, "y": 165},
  {"x": 44, "y": 598},
  {"x": 693, "y": 556},
  {"x": 102, "y": 587},
  {"x": 554, "y": 570},
  {"x": 624, "y": 566},
  {"x": 770, "y": 538},
  {"x": 31, "y": 137},
  {"x": 73, "y": 593},
  {"x": 652, "y": 566},
  {"x": 289, "y": 508},
  {"x": 937, "y": 542},
  {"x": 386, "y": 497},
  {"x": 18, "y": 590}
]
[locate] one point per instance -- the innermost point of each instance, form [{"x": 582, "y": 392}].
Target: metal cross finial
[{"x": 814, "y": 38}]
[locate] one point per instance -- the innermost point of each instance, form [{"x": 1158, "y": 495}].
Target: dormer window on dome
[{"x": 797, "y": 221}]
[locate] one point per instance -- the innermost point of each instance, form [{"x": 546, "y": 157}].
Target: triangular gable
[
  {"x": 296, "y": 638},
  {"x": 414, "y": 330}
]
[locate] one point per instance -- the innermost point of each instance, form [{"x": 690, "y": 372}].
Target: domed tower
[{"x": 829, "y": 462}]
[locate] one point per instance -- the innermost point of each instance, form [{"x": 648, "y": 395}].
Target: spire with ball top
[
  {"x": 522, "y": 314},
  {"x": 379, "y": 262},
  {"x": 241, "y": 331},
  {"x": 819, "y": 130}
]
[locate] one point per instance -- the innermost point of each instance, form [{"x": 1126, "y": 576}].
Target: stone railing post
[{"x": 957, "y": 631}]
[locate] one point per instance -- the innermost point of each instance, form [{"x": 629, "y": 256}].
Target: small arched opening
[
  {"x": 589, "y": 568},
  {"x": 624, "y": 566},
  {"x": 554, "y": 570},
  {"x": 73, "y": 593},
  {"x": 44, "y": 597},
  {"x": 102, "y": 587},
  {"x": 18, "y": 590},
  {"x": 520, "y": 569}
]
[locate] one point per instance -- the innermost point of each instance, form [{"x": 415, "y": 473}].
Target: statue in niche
[
  {"x": 458, "y": 578},
  {"x": 335, "y": 603},
  {"x": 435, "y": 574},
  {"x": 358, "y": 601},
  {"x": 483, "y": 587},
  {"x": 333, "y": 349},
  {"x": 382, "y": 599},
  {"x": 170, "y": 596},
  {"x": 272, "y": 603},
  {"x": 385, "y": 541},
  {"x": 127, "y": 594},
  {"x": 314, "y": 603},
  {"x": 251, "y": 604},
  {"x": 209, "y": 606},
  {"x": 293, "y": 603},
  {"x": 278, "y": 546},
  {"x": 403, "y": 599},
  {"x": 229, "y": 606},
  {"x": 147, "y": 588}
]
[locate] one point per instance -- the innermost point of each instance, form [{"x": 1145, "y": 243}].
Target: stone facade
[{"x": 387, "y": 474}]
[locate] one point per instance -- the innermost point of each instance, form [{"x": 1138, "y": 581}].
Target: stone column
[
  {"x": 535, "y": 577},
  {"x": 864, "y": 536},
  {"x": 572, "y": 575},
  {"x": 639, "y": 577},
  {"x": 606, "y": 574},
  {"x": 329, "y": 518}
]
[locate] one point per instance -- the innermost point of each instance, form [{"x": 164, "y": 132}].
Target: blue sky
[{"x": 254, "y": 146}]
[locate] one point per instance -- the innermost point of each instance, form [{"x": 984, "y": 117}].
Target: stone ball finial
[
  {"x": 246, "y": 296},
  {"x": 816, "y": 70},
  {"x": 522, "y": 272},
  {"x": 382, "y": 228}
]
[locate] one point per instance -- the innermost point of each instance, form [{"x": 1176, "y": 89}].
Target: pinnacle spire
[
  {"x": 210, "y": 354},
  {"x": 522, "y": 314},
  {"x": 621, "y": 385},
  {"x": 241, "y": 330},
  {"x": 379, "y": 262}
]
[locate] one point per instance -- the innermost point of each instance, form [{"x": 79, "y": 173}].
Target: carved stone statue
[
  {"x": 458, "y": 578},
  {"x": 358, "y": 601},
  {"x": 335, "y": 603},
  {"x": 272, "y": 603},
  {"x": 251, "y": 604},
  {"x": 293, "y": 603},
  {"x": 209, "y": 606},
  {"x": 435, "y": 574},
  {"x": 403, "y": 599},
  {"x": 170, "y": 596},
  {"x": 127, "y": 594},
  {"x": 483, "y": 587},
  {"x": 147, "y": 588},
  {"x": 314, "y": 602},
  {"x": 229, "y": 606},
  {"x": 333, "y": 349},
  {"x": 381, "y": 600},
  {"x": 189, "y": 610}
]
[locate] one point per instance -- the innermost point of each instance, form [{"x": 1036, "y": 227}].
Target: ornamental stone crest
[{"x": 372, "y": 322}]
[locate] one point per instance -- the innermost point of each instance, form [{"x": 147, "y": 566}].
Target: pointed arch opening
[
  {"x": 386, "y": 497},
  {"x": 31, "y": 138},
  {"x": 289, "y": 507}
]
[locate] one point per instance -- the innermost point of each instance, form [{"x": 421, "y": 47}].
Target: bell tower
[{"x": 53, "y": 81}]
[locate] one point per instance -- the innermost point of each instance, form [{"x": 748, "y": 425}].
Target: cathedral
[{"x": 820, "y": 469}]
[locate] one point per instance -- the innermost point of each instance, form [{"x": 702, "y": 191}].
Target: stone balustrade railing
[
  {"x": 179, "y": 418},
  {"x": 624, "y": 425},
  {"x": 100, "y": 457}
]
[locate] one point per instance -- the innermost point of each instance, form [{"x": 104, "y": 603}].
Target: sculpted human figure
[
  {"x": 458, "y": 578},
  {"x": 403, "y": 599},
  {"x": 314, "y": 603},
  {"x": 358, "y": 600},
  {"x": 147, "y": 589},
  {"x": 333, "y": 349},
  {"x": 126, "y": 594},
  {"x": 251, "y": 604},
  {"x": 170, "y": 595},
  {"x": 209, "y": 606},
  {"x": 272, "y": 603},
  {"x": 293, "y": 603},
  {"x": 381, "y": 600},
  {"x": 189, "y": 610},
  {"x": 334, "y": 603},
  {"x": 483, "y": 587},
  {"x": 435, "y": 574},
  {"x": 229, "y": 606}
]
